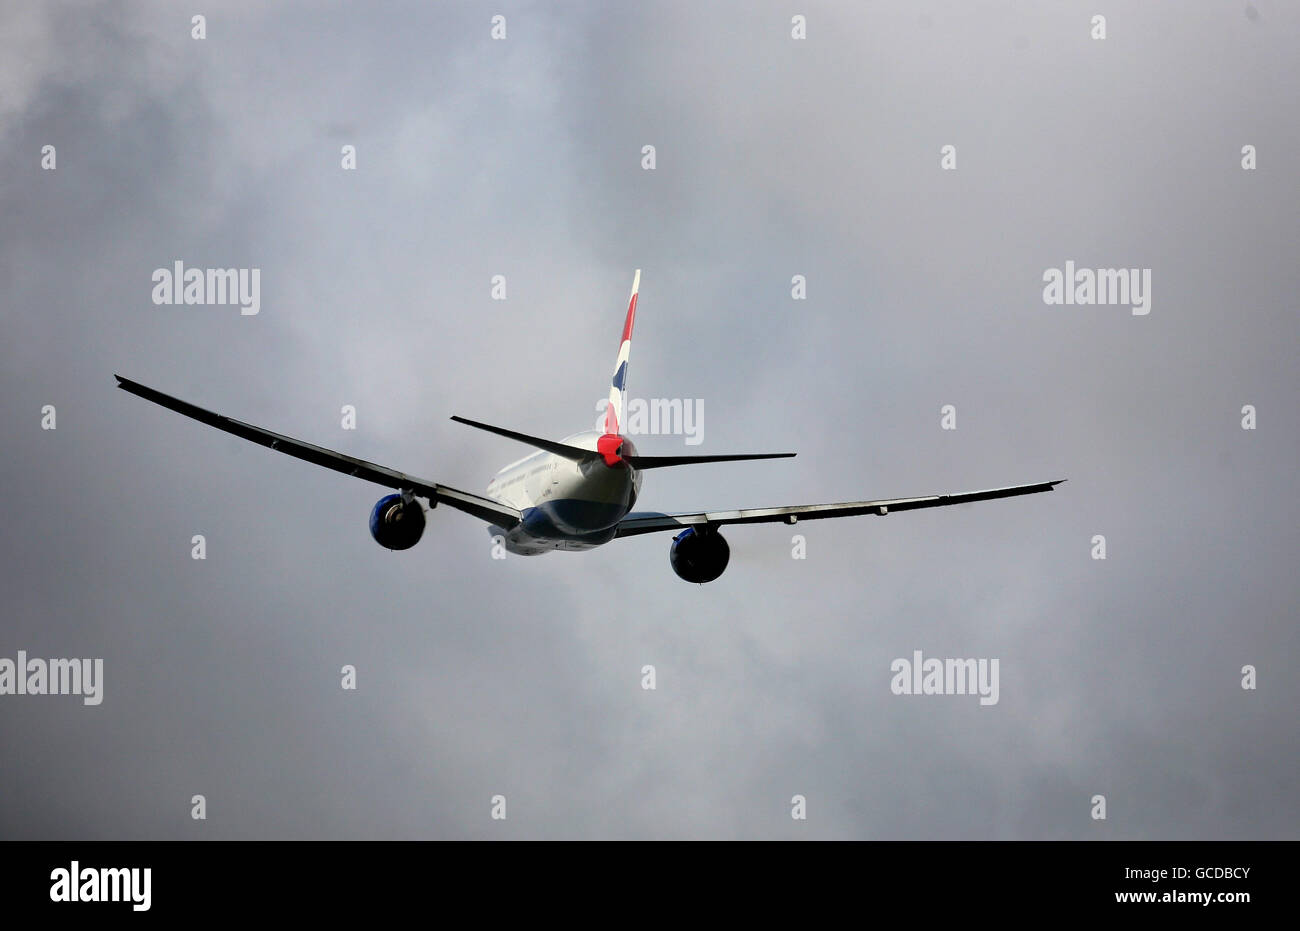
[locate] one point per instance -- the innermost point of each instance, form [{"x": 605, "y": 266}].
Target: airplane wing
[
  {"x": 649, "y": 522},
  {"x": 494, "y": 512}
]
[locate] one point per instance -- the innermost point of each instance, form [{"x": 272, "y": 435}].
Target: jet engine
[
  {"x": 699, "y": 556},
  {"x": 397, "y": 524}
]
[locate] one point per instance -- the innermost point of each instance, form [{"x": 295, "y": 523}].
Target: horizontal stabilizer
[
  {"x": 560, "y": 449},
  {"x": 662, "y": 462},
  {"x": 577, "y": 454}
]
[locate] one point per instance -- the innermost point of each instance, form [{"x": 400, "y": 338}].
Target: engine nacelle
[
  {"x": 397, "y": 526},
  {"x": 699, "y": 557}
]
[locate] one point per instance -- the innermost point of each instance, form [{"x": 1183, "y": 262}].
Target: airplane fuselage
[{"x": 565, "y": 505}]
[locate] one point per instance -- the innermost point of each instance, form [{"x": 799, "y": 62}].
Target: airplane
[{"x": 574, "y": 494}]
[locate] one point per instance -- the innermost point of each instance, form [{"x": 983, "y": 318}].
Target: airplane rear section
[
  {"x": 579, "y": 506},
  {"x": 572, "y": 505}
]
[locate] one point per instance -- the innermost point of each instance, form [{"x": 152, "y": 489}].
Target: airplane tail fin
[
  {"x": 609, "y": 447},
  {"x": 615, "y": 412}
]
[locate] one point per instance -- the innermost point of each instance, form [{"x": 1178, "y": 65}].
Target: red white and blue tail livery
[
  {"x": 571, "y": 494},
  {"x": 618, "y": 385}
]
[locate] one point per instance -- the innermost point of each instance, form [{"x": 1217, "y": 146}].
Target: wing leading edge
[
  {"x": 494, "y": 512},
  {"x": 647, "y": 522}
]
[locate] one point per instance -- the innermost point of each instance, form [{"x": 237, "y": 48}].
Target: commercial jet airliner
[{"x": 574, "y": 494}]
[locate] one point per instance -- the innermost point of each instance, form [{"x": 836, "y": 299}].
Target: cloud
[{"x": 522, "y": 677}]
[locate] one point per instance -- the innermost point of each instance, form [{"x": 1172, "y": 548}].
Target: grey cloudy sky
[{"x": 775, "y": 157}]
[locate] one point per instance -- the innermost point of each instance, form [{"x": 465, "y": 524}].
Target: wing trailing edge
[
  {"x": 663, "y": 462},
  {"x": 494, "y": 512}
]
